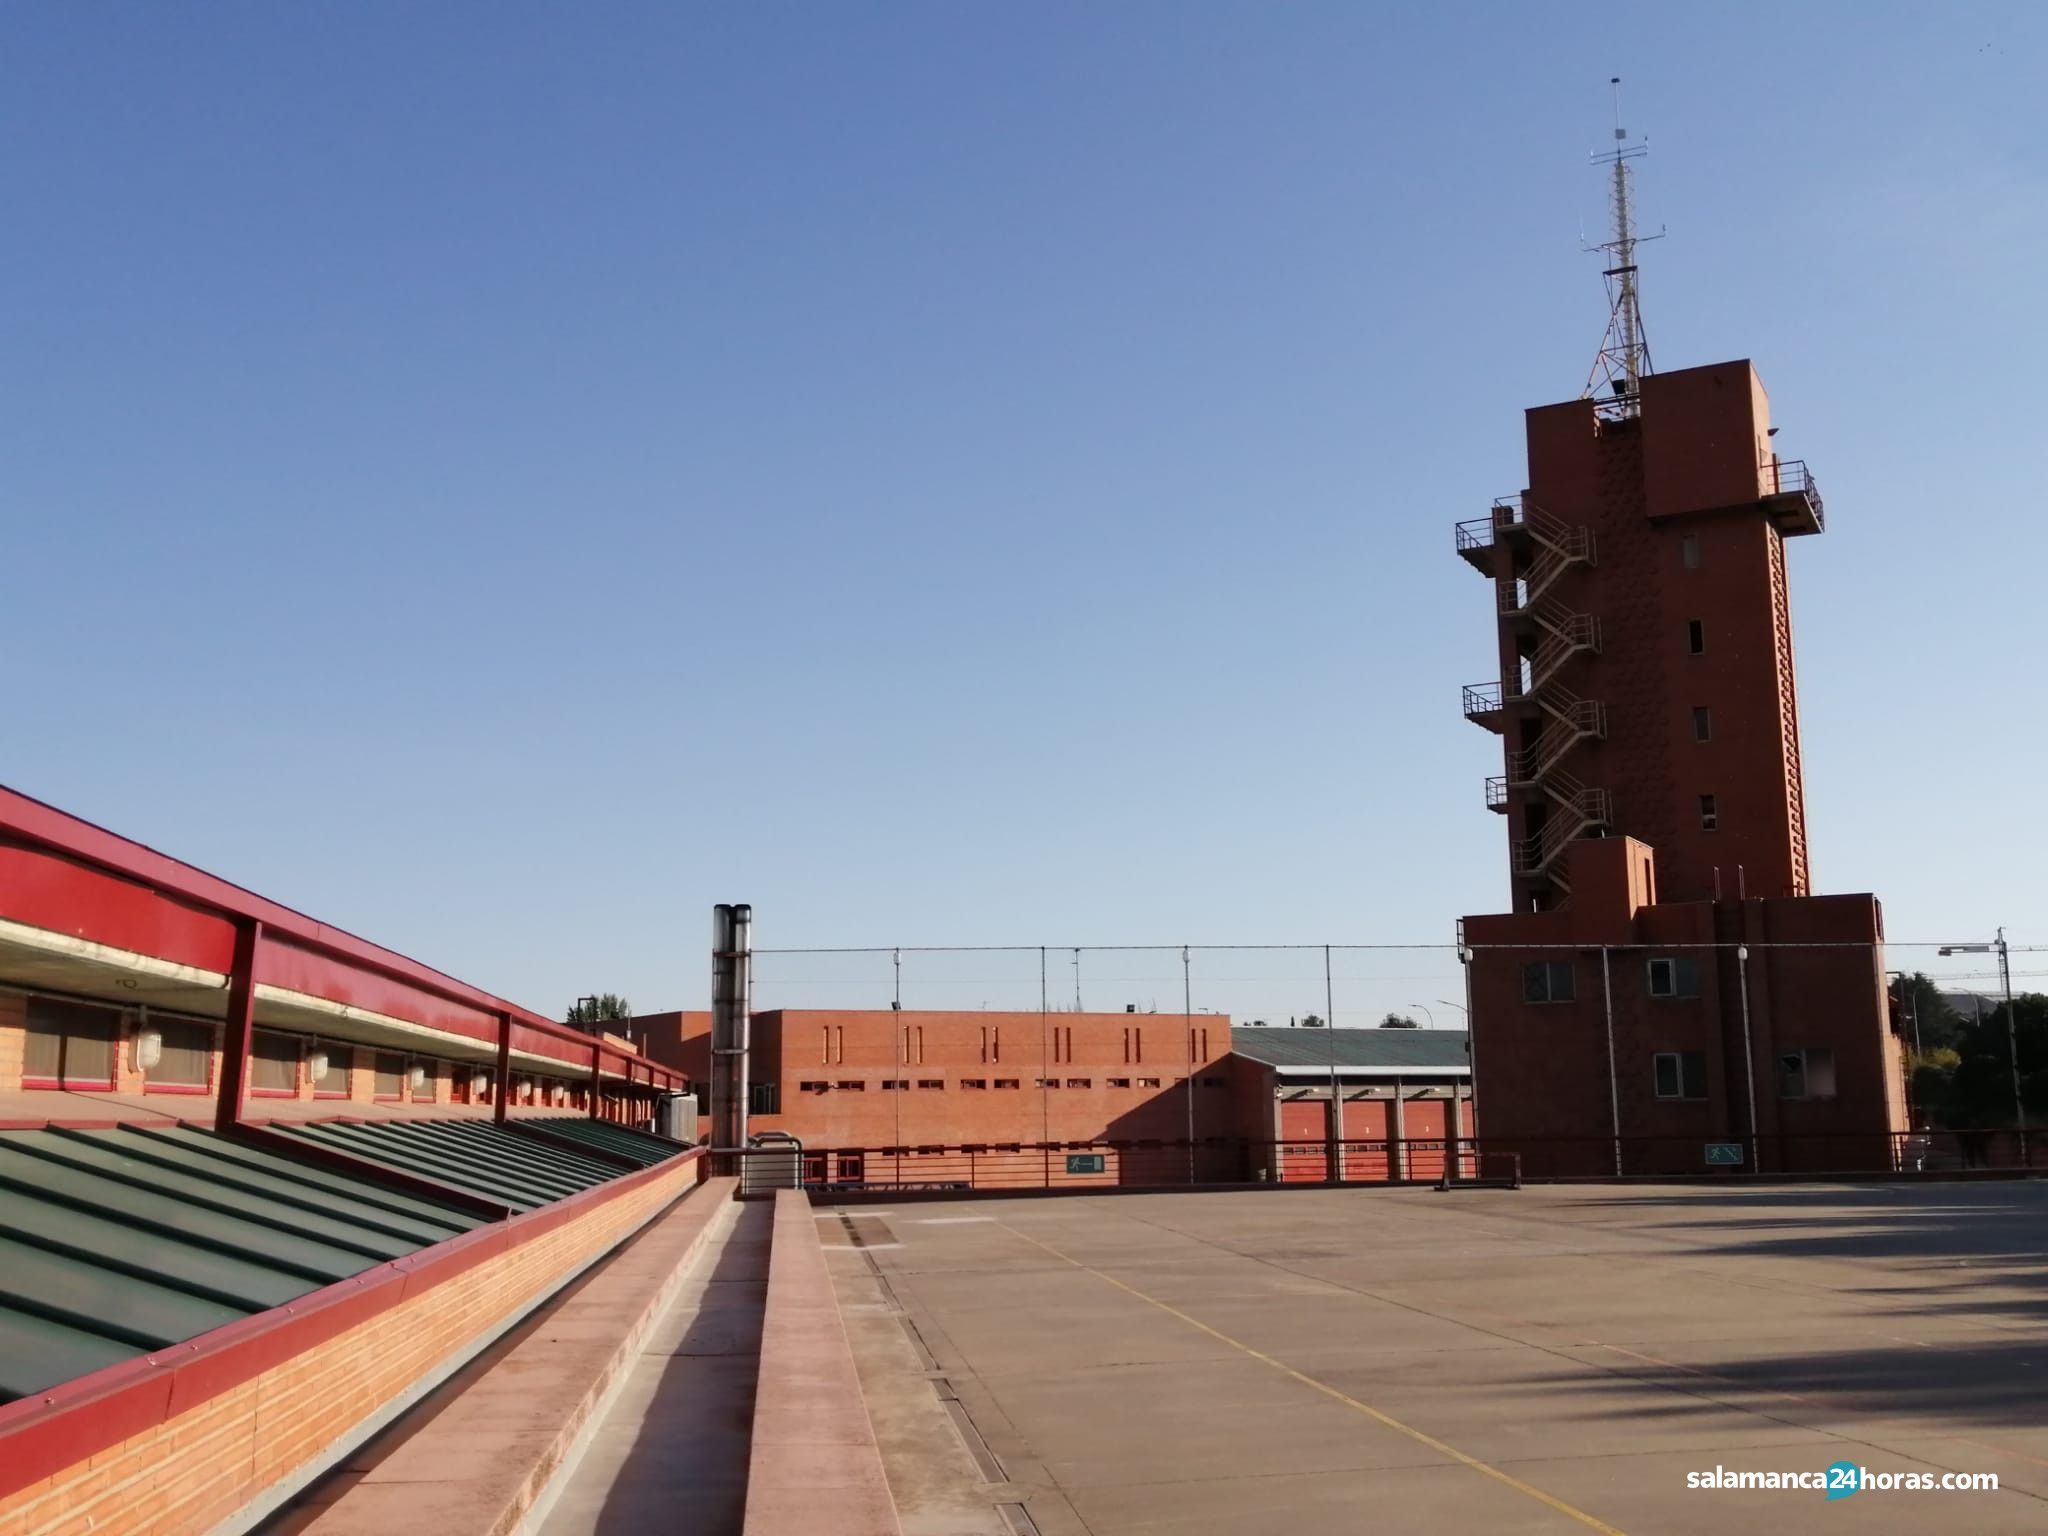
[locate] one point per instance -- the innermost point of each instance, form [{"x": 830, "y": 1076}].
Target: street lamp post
[
  {"x": 2012, "y": 1026},
  {"x": 1425, "y": 1013},
  {"x": 1446, "y": 1002}
]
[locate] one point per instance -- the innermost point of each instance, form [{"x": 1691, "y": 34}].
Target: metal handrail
[{"x": 1482, "y": 699}]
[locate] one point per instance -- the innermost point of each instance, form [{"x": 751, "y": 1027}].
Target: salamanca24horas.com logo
[{"x": 1845, "y": 1478}]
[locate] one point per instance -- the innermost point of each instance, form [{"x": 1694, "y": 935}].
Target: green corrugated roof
[
  {"x": 475, "y": 1156},
  {"x": 119, "y": 1240},
  {"x": 619, "y": 1140},
  {"x": 1382, "y": 1049}
]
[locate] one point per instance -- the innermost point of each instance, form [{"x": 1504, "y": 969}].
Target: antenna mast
[{"x": 1616, "y": 379}]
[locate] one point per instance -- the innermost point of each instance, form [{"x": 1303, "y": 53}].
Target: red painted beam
[
  {"x": 238, "y": 1038},
  {"x": 159, "y": 900}
]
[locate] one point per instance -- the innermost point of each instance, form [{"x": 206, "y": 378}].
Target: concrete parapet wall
[{"x": 815, "y": 1468}]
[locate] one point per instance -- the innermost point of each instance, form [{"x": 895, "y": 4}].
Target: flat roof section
[
  {"x": 1387, "y": 1050},
  {"x": 1555, "y": 1359}
]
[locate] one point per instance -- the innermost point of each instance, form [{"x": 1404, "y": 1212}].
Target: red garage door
[
  {"x": 1422, "y": 1128},
  {"x": 1304, "y": 1140},
  {"x": 1365, "y": 1139}
]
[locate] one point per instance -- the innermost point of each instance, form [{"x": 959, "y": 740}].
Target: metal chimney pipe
[{"x": 732, "y": 998}]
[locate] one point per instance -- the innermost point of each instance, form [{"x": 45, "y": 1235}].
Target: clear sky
[{"x": 504, "y": 477}]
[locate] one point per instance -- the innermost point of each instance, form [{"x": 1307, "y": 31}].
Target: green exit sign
[
  {"x": 1724, "y": 1154},
  {"x": 1086, "y": 1162}
]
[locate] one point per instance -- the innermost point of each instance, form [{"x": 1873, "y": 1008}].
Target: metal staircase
[{"x": 1542, "y": 550}]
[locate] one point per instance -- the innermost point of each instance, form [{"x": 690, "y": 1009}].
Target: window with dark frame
[
  {"x": 931, "y": 1082},
  {"x": 390, "y": 1075},
  {"x": 186, "y": 1062},
  {"x": 1689, "y": 551},
  {"x": 1674, "y": 976},
  {"x": 1696, "y": 636},
  {"x": 273, "y": 1064},
  {"x": 1548, "y": 981},
  {"x": 1710, "y": 814},
  {"x": 764, "y": 1098},
  {"x": 341, "y": 1061},
  {"x": 1679, "y": 1074},
  {"x": 1806, "y": 1072},
  {"x": 69, "y": 1045},
  {"x": 1702, "y": 723}
]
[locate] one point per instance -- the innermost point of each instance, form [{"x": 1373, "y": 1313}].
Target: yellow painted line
[{"x": 1591, "y": 1522}]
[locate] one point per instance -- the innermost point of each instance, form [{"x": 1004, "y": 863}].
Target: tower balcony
[
  {"x": 1497, "y": 794},
  {"x": 1484, "y": 705},
  {"x": 1791, "y": 497},
  {"x": 1520, "y": 523}
]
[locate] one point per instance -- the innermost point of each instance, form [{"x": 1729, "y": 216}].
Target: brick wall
[
  {"x": 13, "y": 1039},
  {"x": 193, "y": 1470}
]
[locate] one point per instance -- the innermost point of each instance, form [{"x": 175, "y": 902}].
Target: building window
[
  {"x": 1676, "y": 976},
  {"x": 764, "y": 1098},
  {"x": 1119, "y": 1082},
  {"x": 1710, "y": 814},
  {"x": 274, "y": 1064},
  {"x": 1047, "y": 1082},
  {"x": 333, "y": 1084},
  {"x": 851, "y": 1085},
  {"x": 1080, "y": 1082},
  {"x": 974, "y": 1082},
  {"x": 186, "y": 1062},
  {"x": 1689, "y": 551},
  {"x": 390, "y": 1075},
  {"x": 428, "y": 1088},
  {"x": 1806, "y": 1074},
  {"x": 1006, "y": 1082},
  {"x": 895, "y": 1084},
  {"x": 931, "y": 1082},
  {"x": 1148, "y": 1082},
  {"x": 1679, "y": 1074},
  {"x": 816, "y": 1087},
  {"x": 1548, "y": 981},
  {"x": 1702, "y": 723},
  {"x": 69, "y": 1045},
  {"x": 1696, "y": 636}
]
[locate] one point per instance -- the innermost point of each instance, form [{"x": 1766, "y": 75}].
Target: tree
[
  {"x": 1921, "y": 1016},
  {"x": 601, "y": 1009},
  {"x": 1398, "y": 1021},
  {"x": 1976, "y": 1091}
]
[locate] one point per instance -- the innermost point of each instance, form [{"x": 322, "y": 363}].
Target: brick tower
[
  {"x": 1666, "y": 992},
  {"x": 1645, "y": 639}
]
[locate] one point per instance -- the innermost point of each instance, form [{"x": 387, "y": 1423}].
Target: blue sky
[{"x": 505, "y": 477}]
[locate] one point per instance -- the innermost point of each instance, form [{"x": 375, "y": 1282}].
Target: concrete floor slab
[{"x": 1550, "y": 1359}]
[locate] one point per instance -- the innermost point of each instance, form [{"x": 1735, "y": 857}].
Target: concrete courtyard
[{"x": 1554, "y": 1359}]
